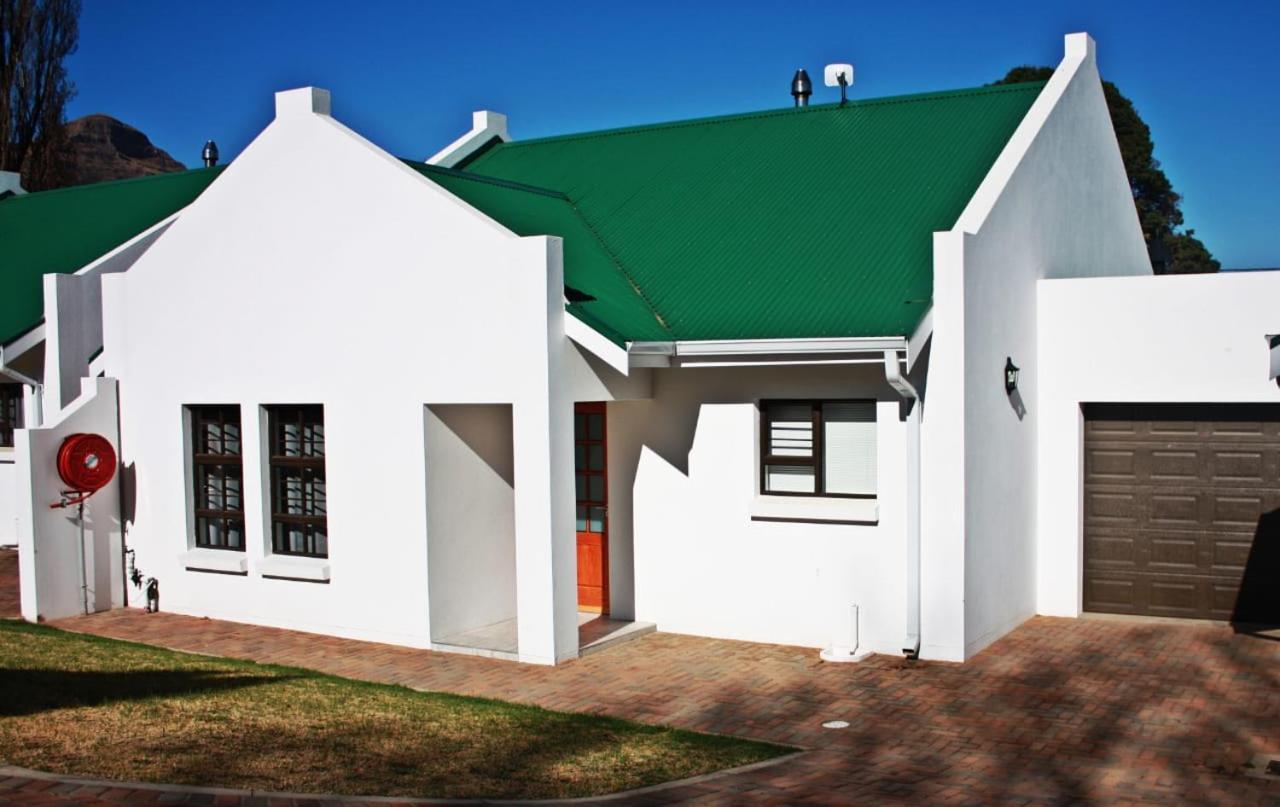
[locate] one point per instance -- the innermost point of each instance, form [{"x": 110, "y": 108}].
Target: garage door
[{"x": 1181, "y": 504}]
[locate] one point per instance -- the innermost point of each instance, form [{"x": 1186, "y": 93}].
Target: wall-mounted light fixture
[{"x": 1010, "y": 376}]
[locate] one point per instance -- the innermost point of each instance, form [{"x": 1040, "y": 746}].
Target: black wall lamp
[{"x": 1010, "y": 376}]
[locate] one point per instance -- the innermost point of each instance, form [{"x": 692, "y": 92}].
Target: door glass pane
[
  {"x": 597, "y": 458},
  {"x": 582, "y": 519},
  {"x": 595, "y": 426},
  {"x": 788, "y": 479},
  {"x": 579, "y": 426},
  {"x": 579, "y": 457},
  {"x": 596, "y": 489},
  {"x": 582, "y": 486},
  {"x": 595, "y": 520}
]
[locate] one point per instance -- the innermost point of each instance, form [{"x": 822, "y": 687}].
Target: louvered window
[{"x": 818, "y": 448}]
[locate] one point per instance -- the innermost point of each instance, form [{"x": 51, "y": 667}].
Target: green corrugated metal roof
[
  {"x": 796, "y": 223},
  {"x": 617, "y": 311},
  {"x": 793, "y": 223},
  {"x": 61, "y": 231}
]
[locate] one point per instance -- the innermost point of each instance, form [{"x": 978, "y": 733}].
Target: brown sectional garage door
[{"x": 1181, "y": 504}]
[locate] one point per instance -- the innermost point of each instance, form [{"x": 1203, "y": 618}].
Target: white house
[{"x": 729, "y": 377}]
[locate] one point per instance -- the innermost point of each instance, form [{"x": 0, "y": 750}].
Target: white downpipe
[{"x": 893, "y": 374}]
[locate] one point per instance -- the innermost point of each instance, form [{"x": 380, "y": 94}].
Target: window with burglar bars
[
  {"x": 218, "y": 474},
  {"x": 298, "y": 510},
  {"x": 10, "y": 412},
  {"x": 818, "y": 448}
]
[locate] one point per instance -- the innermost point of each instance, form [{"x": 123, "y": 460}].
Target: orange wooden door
[{"x": 591, "y": 478}]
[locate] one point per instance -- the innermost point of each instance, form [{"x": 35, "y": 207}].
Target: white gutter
[
  {"x": 676, "y": 353},
  {"x": 893, "y": 374},
  {"x": 773, "y": 347}
]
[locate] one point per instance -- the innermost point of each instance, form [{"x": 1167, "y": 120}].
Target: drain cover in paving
[{"x": 1263, "y": 766}]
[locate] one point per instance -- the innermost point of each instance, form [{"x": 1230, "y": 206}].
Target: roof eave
[{"x": 756, "y": 352}]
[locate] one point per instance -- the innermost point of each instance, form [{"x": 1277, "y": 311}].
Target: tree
[
  {"x": 36, "y": 37},
  {"x": 1173, "y": 251}
]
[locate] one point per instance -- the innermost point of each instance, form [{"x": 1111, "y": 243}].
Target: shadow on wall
[
  {"x": 128, "y": 493},
  {"x": 1015, "y": 401},
  {"x": 1258, "y": 602}
]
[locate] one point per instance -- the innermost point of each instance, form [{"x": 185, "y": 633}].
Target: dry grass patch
[{"x": 97, "y": 707}]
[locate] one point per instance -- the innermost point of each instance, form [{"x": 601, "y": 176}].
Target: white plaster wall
[
  {"x": 683, "y": 487},
  {"x": 73, "y": 317},
  {"x": 319, "y": 269},
  {"x": 48, "y": 557},
  {"x": 470, "y": 517},
  {"x": 1166, "y": 339},
  {"x": 1056, "y": 204}
]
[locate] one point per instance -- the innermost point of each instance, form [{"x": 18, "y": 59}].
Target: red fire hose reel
[{"x": 86, "y": 463}]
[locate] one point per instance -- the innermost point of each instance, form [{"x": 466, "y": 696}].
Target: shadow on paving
[
  {"x": 31, "y": 691},
  {"x": 1175, "y": 715}
]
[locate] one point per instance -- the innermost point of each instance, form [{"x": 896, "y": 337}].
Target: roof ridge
[
  {"x": 991, "y": 89},
  {"x": 427, "y": 168},
  {"x": 115, "y": 183}
]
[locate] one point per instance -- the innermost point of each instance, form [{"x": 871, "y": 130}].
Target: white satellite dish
[{"x": 832, "y": 73}]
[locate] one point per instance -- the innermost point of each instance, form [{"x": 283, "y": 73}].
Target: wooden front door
[{"x": 592, "y": 482}]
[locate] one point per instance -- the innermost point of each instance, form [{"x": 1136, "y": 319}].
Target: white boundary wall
[
  {"x": 48, "y": 556},
  {"x": 1177, "y": 338}
]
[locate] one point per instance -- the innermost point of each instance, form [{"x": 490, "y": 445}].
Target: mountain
[{"x": 100, "y": 148}]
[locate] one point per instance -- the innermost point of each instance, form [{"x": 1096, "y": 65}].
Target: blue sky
[{"x": 407, "y": 75}]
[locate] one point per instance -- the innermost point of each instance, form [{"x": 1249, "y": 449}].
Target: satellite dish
[{"x": 833, "y": 72}]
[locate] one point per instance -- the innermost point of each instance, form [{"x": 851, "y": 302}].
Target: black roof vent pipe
[
  {"x": 801, "y": 87},
  {"x": 209, "y": 154}
]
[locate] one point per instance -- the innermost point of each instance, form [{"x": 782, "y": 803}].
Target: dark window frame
[
  {"x": 307, "y": 466},
  {"x": 817, "y": 458},
  {"x": 217, "y": 463},
  {"x": 11, "y": 412}
]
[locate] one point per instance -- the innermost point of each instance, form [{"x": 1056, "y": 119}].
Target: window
[
  {"x": 298, "y": 522},
  {"x": 218, "y": 474},
  {"x": 818, "y": 448},
  {"x": 10, "y": 412}
]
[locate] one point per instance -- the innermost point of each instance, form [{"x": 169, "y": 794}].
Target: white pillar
[{"x": 546, "y": 555}]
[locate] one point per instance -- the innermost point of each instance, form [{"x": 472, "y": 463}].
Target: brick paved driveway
[{"x": 1059, "y": 710}]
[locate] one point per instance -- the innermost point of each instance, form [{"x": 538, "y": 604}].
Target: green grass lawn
[{"x": 96, "y": 707}]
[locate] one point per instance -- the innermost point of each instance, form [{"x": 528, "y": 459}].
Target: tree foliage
[
  {"x": 36, "y": 37},
  {"x": 1173, "y": 250}
]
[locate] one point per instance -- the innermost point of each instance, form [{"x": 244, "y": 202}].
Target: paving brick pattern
[
  {"x": 9, "y": 606},
  {"x": 1058, "y": 711}
]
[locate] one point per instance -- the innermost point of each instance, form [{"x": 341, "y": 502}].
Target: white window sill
[
  {"x": 816, "y": 509},
  {"x": 224, "y": 561},
  {"x": 8, "y": 454},
  {"x": 315, "y": 570}
]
